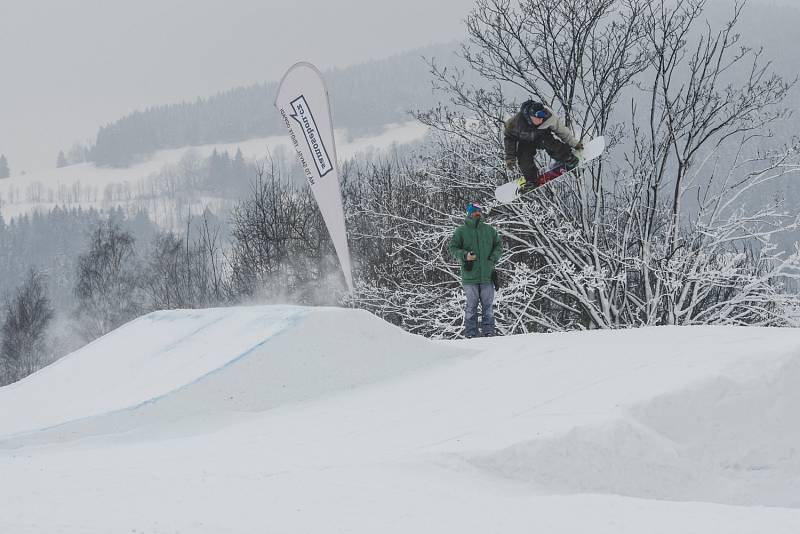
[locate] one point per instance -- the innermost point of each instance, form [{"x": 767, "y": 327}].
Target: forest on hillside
[{"x": 364, "y": 98}]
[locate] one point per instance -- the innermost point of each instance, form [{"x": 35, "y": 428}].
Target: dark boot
[{"x": 571, "y": 162}]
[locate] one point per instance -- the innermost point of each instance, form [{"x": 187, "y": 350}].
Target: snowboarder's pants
[
  {"x": 526, "y": 153},
  {"x": 483, "y": 294}
]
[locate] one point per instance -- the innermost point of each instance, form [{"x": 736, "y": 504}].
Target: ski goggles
[{"x": 541, "y": 114}]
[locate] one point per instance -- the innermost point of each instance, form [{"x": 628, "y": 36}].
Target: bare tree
[
  {"x": 108, "y": 286},
  {"x": 165, "y": 282},
  {"x": 710, "y": 97},
  {"x": 186, "y": 273},
  {"x": 281, "y": 248},
  {"x": 211, "y": 261},
  {"x": 617, "y": 244},
  {"x": 400, "y": 225},
  {"x": 27, "y": 316}
]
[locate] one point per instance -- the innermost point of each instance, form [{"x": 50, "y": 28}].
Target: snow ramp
[{"x": 174, "y": 371}]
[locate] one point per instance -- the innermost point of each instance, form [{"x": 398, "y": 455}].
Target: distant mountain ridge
[
  {"x": 367, "y": 96},
  {"x": 364, "y": 97}
]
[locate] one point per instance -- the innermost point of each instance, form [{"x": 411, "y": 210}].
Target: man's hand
[
  {"x": 471, "y": 256},
  {"x": 510, "y": 164},
  {"x": 579, "y": 146}
]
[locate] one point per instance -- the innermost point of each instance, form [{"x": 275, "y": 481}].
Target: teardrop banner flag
[{"x": 302, "y": 101}]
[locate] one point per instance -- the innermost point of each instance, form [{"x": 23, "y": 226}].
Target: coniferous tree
[
  {"x": 4, "y": 170},
  {"x": 216, "y": 170},
  {"x": 247, "y": 112},
  {"x": 61, "y": 161},
  {"x": 240, "y": 173}
]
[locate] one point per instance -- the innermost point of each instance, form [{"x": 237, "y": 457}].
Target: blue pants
[{"x": 483, "y": 293}]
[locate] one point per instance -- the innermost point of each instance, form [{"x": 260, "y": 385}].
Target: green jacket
[{"x": 476, "y": 236}]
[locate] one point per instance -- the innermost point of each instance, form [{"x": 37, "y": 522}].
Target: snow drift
[{"x": 290, "y": 419}]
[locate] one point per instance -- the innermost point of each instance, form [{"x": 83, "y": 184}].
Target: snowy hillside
[
  {"x": 291, "y": 419},
  {"x": 88, "y": 185}
]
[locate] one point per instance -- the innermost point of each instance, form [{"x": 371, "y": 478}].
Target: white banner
[{"x": 302, "y": 101}]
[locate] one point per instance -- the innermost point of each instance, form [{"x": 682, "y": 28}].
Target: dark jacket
[
  {"x": 478, "y": 237},
  {"x": 518, "y": 129}
]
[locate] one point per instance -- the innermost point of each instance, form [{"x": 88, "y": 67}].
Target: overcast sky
[{"x": 68, "y": 67}]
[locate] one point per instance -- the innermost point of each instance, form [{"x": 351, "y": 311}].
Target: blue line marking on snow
[
  {"x": 194, "y": 332},
  {"x": 290, "y": 321}
]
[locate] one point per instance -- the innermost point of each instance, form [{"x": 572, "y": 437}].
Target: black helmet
[{"x": 529, "y": 108}]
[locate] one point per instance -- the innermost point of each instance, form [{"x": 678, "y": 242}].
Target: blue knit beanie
[{"x": 472, "y": 208}]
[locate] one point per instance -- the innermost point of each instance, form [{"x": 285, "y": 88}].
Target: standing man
[
  {"x": 477, "y": 248},
  {"x": 534, "y": 127}
]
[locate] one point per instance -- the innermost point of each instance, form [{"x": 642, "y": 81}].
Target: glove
[
  {"x": 471, "y": 257},
  {"x": 579, "y": 146},
  {"x": 510, "y": 164}
]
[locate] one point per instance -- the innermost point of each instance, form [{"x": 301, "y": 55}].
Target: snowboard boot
[{"x": 571, "y": 162}]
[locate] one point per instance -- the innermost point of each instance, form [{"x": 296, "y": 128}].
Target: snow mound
[
  {"x": 180, "y": 371},
  {"x": 320, "y": 420},
  {"x": 729, "y": 440}
]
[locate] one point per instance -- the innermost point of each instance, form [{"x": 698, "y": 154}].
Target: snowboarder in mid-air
[{"x": 534, "y": 127}]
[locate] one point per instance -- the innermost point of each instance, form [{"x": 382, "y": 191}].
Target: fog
[{"x": 68, "y": 67}]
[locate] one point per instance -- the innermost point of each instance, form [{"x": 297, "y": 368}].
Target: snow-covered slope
[
  {"x": 289, "y": 419},
  {"x": 85, "y": 184}
]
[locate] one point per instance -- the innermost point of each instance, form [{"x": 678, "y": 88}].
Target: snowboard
[{"x": 592, "y": 149}]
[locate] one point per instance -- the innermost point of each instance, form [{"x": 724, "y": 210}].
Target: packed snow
[{"x": 292, "y": 419}]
